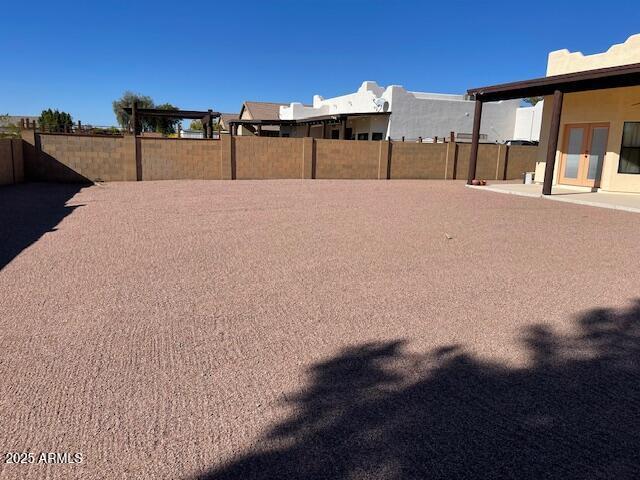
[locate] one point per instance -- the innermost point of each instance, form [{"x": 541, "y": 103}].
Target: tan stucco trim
[{"x": 613, "y": 106}]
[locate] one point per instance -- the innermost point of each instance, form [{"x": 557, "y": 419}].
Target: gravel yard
[{"x": 316, "y": 329}]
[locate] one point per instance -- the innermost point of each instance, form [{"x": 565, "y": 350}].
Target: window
[
  {"x": 377, "y": 136},
  {"x": 363, "y": 136},
  {"x": 630, "y": 150}
]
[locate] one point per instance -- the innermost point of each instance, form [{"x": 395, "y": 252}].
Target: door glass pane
[
  {"x": 597, "y": 151},
  {"x": 574, "y": 150}
]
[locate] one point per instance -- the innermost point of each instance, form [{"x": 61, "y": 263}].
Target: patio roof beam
[{"x": 601, "y": 78}]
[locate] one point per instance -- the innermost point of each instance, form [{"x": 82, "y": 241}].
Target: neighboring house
[
  {"x": 590, "y": 133},
  {"x": 375, "y": 113},
  {"x": 267, "y": 111},
  {"x": 224, "y": 120},
  {"x": 528, "y": 122}
]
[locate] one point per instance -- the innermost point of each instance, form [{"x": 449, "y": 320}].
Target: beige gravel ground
[{"x": 316, "y": 329}]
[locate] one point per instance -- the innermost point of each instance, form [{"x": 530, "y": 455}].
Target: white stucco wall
[
  {"x": 528, "y": 122},
  {"x": 413, "y": 114},
  {"x": 428, "y": 115}
]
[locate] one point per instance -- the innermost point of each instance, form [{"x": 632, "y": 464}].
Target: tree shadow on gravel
[
  {"x": 28, "y": 211},
  {"x": 378, "y": 412}
]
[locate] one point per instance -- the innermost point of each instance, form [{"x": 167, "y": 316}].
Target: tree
[
  {"x": 164, "y": 125},
  {"x": 533, "y": 100},
  {"x": 127, "y": 100},
  {"x": 196, "y": 125},
  {"x": 55, "y": 120},
  {"x": 7, "y": 128}
]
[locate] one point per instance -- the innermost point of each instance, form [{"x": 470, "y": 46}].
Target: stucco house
[
  {"x": 590, "y": 135},
  {"x": 259, "y": 111},
  {"x": 411, "y": 115},
  {"x": 224, "y": 119},
  {"x": 376, "y": 113}
]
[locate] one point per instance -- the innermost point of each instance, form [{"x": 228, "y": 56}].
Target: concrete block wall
[
  {"x": 520, "y": 159},
  {"x": 79, "y": 158},
  {"x": 269, "y": 158},
  {"x": 419, "y": 160},
  {"x": 491, "y": 162},
  {"x": 347, "y": 159},
  {"x": 11, "y": 161},
  {"x": 173, "y": 159}
]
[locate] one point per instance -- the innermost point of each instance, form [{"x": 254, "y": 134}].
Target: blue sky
[{"x": 79, "y": 56}]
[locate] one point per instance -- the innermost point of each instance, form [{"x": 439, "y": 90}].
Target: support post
[
  {"x": 136, "y": 140},
  {"x": 475, "y": 140},
  {"x": 208, "y": 127},
  {"x": 134, "y": 118},
  {"x": 324, "y": 129},
  {"x": 259, "y": 130},
  {"x": 308, "y": 130},
  {"x": 232, "y": 157},
  {"x": 210, "y": 123},
  {"x": 552, "y": 148},
  {"x": 137, "y": 150},
  {"x": 343, "y": 128}
]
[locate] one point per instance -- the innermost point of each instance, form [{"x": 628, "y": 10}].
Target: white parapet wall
[{"x": 419, "y": 114}]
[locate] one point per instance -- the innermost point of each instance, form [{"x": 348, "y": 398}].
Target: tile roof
[
  {"x": 263, "y": 110},
  {"x": 226, "y": 117}
]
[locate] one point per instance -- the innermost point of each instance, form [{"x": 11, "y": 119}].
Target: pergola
[
  {"x": 557, "y": 85},
  {"x": 323, "y": 120},
  {"x": 206, "y": 117}
]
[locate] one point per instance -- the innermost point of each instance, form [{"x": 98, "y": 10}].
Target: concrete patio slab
[{"x": 629, "y": 202}]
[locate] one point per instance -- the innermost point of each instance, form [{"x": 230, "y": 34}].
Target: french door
[{"x": 585, "y": 146}]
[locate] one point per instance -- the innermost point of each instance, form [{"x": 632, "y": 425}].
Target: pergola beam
[
  {"x": 188, "y": 114},
  {"x": 206, "y": 117}
]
